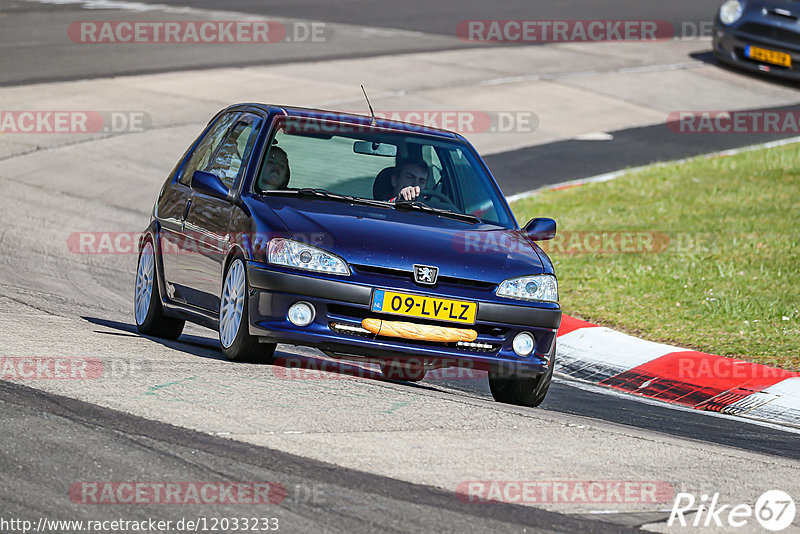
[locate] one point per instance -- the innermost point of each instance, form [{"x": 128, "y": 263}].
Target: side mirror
[
  {"x": 540, "y": 229},
  {"x": 209, "y": 184}
]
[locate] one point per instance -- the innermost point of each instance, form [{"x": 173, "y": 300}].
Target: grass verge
[{"x": 702, "y": 254}]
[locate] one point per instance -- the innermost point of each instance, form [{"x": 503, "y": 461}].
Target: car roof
[{"x": 351, "y": 118}]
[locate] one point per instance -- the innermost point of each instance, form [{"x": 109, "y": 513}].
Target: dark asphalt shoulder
[{"x": 76, "y": 441}]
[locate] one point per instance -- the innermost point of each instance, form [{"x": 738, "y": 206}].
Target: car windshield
[{"x": 372, "y": 163}]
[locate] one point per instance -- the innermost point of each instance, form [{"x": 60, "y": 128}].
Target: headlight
[
  {"x": 295, "y": 254},
  {"x": 731, "y": 11},
  {"x": 542, "y": 287}
]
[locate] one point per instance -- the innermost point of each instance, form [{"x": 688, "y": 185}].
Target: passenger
[
  {"x": 275, "y": 174},
  {"x": 410, "y": 179}
]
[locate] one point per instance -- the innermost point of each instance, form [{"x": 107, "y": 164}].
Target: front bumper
[
  {"x": 346, "y": 302},
  {"x": 729, "y": 47}
]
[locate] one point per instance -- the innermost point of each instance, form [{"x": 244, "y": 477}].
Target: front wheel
[
  {"x": 237, "y": 343},
  {"x": 523, "y": 391},
  {"x": 147, "y": 309}
]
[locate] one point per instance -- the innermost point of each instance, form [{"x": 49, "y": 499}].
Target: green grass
[{"x": 728, "y": 282}]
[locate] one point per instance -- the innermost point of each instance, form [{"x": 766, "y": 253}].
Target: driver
[
  {"x": 409, "y": 179},
  {"x": 275, "y": 174}
]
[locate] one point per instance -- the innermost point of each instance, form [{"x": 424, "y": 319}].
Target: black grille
[
  {"x": 408, "y": 275},
  {"x": 465, "y": 282},
  {"x": 383, "y": 271},
  {"x": 767, "y": 31}
]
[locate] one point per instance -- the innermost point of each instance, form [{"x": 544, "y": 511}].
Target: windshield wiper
[
  {"x": 316, "y": 192},
  {"x": 408, "y": 205},
  {"x": 417, "y": 205}
]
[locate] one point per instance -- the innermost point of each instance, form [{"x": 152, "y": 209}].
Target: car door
[
  {"x": 175, "y": 202},
  {"x": 207, "y": 220}
]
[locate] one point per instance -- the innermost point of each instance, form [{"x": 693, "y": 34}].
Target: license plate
[
  {"x": 768, "y": 56},
  {"x": 434, "y": 308}
]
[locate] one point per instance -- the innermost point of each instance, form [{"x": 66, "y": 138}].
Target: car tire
[
  {"x": 234, "y": 336},
  {"x": 147, "y": 309},
  {"x": 522, "y": 391}
]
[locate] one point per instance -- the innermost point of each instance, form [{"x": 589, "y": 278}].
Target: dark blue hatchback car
[
  {"x": 759, "y": 35},
  {"x": 367, "y": 239}
]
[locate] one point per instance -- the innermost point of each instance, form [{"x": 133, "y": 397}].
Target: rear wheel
[
  {"x": 147, "y": 309},
  {"x": 522, "y": 391},
  {"x": 234, "y": 336}
]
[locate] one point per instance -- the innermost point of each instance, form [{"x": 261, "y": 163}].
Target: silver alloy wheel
[
  {"x": 144, "y": 283},
  {"x": 232, "y": 304}
]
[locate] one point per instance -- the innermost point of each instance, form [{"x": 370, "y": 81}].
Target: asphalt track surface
[
  {"x": 60, "y": 429},
  {"x": 529, "y": 168},
  {"x": 443, "y": 16},
  {"x": 319, "y": 497},
  {"x": 36, "y": 46}
]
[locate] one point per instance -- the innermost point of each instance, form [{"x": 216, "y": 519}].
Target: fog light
[
  {"x": 301, "y": 313},
  {"x": 523, "y": 344}
]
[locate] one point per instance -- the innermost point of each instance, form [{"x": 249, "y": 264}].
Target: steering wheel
[{"x": 443, "y": 200}]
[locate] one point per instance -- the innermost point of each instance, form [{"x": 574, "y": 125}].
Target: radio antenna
[{"x": 371, "y": 112}]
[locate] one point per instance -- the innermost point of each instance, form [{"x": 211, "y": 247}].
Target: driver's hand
[{"x": 409, "y": 192}]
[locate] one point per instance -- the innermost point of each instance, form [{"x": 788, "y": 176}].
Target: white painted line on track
[{"x": 594, "y": 136}]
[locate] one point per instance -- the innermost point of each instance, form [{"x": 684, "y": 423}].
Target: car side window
[
  {"x": 432, "y": 159},
  {"x": 471, "y": 191},
  {"x": 228, "y": 162},
  {"x": 207, "y": 146}
]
